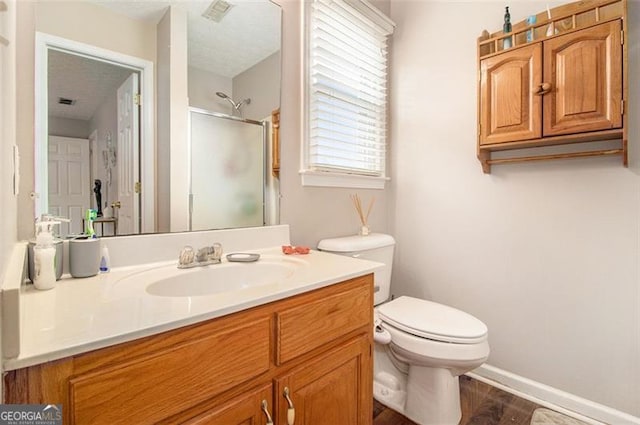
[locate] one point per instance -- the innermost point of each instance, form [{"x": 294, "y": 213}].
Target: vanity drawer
[
  {"x": 160, "y": 384},
  {"x": 309, "y": 325}
]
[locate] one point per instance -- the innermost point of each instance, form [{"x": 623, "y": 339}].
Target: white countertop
[{"x": 80, "y": 315}]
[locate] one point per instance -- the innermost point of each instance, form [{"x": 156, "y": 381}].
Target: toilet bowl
[
  {"x": 421, "y": 347},
  {"x": 432, "y": 345}
]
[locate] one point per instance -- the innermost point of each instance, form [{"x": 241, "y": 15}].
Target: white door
[
  {"x": 70, "y": 186},
  {"x": 128, "y": 166}
]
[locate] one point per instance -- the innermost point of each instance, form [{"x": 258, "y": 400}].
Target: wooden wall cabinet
[
  {"x": 567, "y": 87},
  {"x": 306, "y": 358}
]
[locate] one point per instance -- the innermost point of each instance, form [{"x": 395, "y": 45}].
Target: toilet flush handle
[{"x": 291, "y": 411}]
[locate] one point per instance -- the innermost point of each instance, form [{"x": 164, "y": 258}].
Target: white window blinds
[{"x": 347, "y": 88}]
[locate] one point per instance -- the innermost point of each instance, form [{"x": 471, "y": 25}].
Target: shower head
[
  {"x": 236, "y": 106},
  {"x": 246, "y": 101}
]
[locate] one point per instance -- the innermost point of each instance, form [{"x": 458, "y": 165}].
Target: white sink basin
[{"x": 169, "y": 281}]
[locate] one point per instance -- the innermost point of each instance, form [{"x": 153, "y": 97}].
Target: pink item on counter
[{"x": 295, "y": 250}]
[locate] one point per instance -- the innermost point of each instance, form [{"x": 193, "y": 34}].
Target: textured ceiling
[
  {"x": 249, "y": 33},
  {"x": 84, "y": 80}
]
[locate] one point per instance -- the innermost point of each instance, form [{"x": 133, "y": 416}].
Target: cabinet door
[
  {"x": 335, "y": 388},
  {"x": 249, "y": 409},
  {"x": 509, "y": 109},
  {"x": 585, "y": 72}
]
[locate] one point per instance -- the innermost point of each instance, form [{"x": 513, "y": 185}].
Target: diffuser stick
[{"x": 364, "y": 218}]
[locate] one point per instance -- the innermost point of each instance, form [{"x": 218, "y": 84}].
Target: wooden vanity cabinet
[
  {"x": 226, "y": 371},
  {"x": 562, "y": 88}
]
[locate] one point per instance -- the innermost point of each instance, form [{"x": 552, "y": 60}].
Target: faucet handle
[
  {"x": 187, "y": 257},
  {"x": 210, "y": 254},
  {"x": 217, "y": 251}
]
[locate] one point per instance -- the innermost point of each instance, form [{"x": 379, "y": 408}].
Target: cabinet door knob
[
  {"x": 291, "y": 411},
  {"x": 543, "y": 88},
  {"x": 265, "y": 409}
]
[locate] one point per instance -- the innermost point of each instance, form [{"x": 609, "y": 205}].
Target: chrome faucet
[{"x": 205, "y": 256}]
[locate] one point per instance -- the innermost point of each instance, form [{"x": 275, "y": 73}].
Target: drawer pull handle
[
  {"x": 265, "y": 409},
  {"x": 291, "y": 411}
]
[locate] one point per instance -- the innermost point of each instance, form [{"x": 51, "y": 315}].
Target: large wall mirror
[{"x": 157, "y": 113}]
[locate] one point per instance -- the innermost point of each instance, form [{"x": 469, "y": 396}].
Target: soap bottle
[
  {"x": 506, "y": 28},
  {"x": 44, "y": 256},
  {"x": 104, "y": 260}
]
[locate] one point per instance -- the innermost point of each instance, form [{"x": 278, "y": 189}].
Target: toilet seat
[{"x": 433, "y": 321}]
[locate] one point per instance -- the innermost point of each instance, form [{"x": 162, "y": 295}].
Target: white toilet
[{"x": 421, "y": 346}]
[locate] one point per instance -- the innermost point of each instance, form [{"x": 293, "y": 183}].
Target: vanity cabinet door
[
  {"x": 254, "y": 407},
  {"x": 334, "y": 388},
  {"x": 510, "y": 101}
]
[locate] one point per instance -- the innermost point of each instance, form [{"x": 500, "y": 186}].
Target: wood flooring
[{"x": 481, "y": 404}]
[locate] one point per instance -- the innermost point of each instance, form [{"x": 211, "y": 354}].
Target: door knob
[
  {"x": 543, "y": 88},
  {"x": 116, "y": 204}
]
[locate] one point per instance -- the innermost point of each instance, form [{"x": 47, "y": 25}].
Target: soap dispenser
[{"x": 44, "y": 256}]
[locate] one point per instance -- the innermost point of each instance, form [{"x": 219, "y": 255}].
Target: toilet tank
[{"x": 375, "y": 247}]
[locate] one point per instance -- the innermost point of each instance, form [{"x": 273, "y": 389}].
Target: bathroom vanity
[
  {"x": 298, "y": 351},
  {"x": 315, "y": 346}
]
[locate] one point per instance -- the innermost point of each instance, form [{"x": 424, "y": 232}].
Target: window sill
[{"x": 332, "y": 179}]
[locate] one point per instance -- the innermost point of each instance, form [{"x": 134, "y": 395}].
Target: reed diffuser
[{"x": 364, "y": 229}]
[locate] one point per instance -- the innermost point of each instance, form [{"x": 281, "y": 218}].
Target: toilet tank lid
[{"x": 356, "y": 243}]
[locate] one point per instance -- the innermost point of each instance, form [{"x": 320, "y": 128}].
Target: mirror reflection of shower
[{"x": 236, "y": 105}]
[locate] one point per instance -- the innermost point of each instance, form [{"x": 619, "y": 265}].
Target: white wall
[
  {"x": 163, "y": 113},
  {"x": 546, "y": 254},
  {"x": 8, "y": 212},
  {"x": 203, "y": 86},
  {"x": 68, "y": 127},
  {"x": 179, "y": 106},
  {"x": 260, "y": 83},
  {"x": 313, "y": 213}
]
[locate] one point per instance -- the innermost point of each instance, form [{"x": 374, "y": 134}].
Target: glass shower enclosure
[{"x": 227, "y": 175}]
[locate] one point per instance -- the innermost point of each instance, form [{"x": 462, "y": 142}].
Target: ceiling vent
[
  {"x": 65, "y": 101},
  {"x": 217, "y": 10}
]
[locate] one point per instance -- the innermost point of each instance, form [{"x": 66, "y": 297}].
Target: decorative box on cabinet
[
  {"x": 565, "y": 88},
  {"x": 231, "y": 370}
]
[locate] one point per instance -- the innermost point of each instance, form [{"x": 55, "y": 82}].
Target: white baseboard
[{"x": 560, "y": 401}]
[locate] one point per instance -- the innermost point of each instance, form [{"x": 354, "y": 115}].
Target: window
[{"x": 345, "y": 94}]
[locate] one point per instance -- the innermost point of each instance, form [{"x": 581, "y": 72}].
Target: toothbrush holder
[{"x": 84, "y": 257}]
